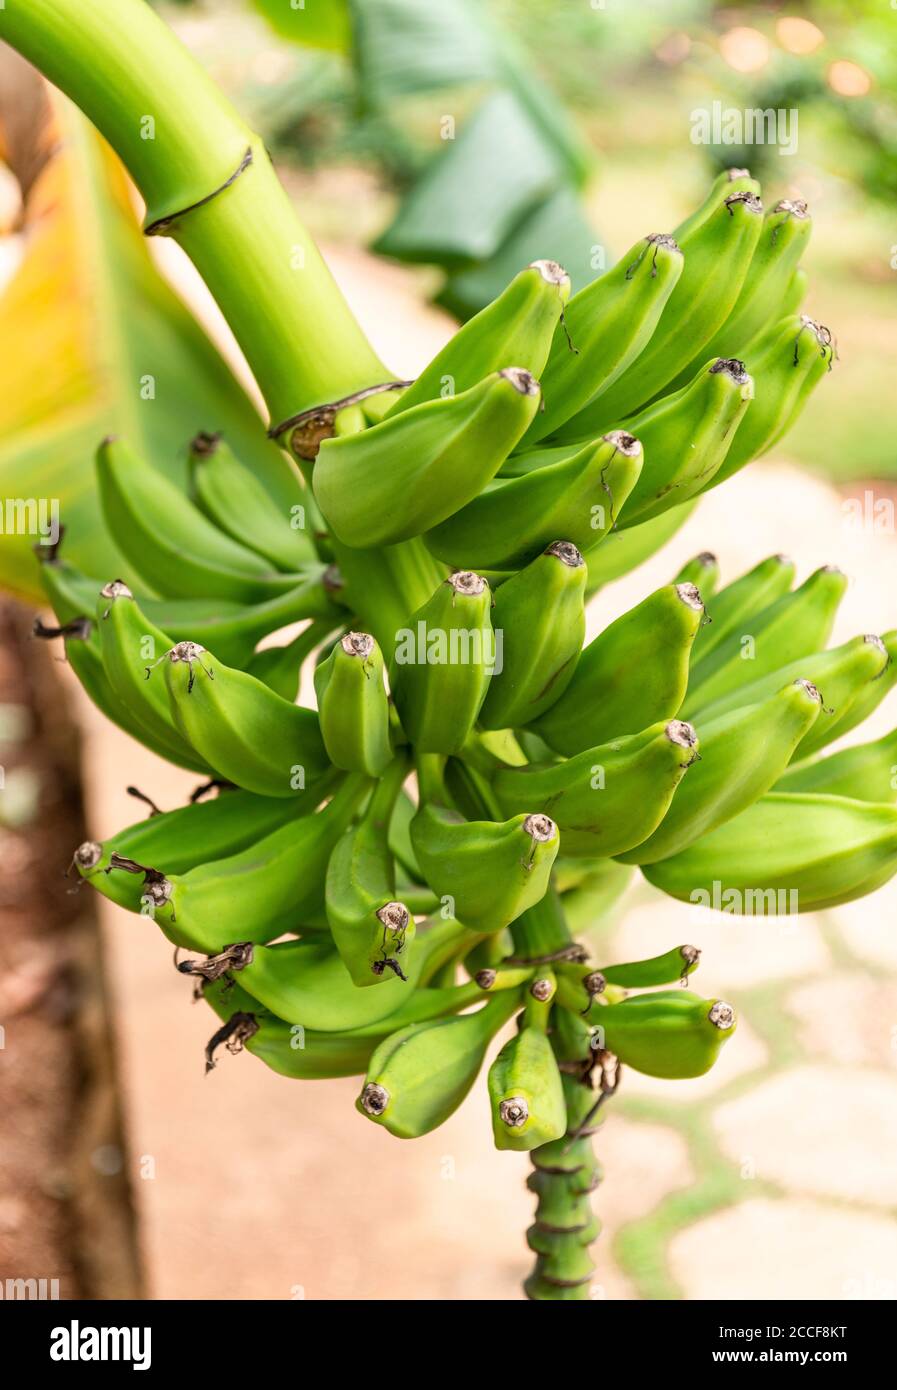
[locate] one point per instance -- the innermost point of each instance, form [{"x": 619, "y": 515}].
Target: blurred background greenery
[{"x": 570, "y": 123}]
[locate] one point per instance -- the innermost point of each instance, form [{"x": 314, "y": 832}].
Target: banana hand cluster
[{"x": 388, "y": 884}]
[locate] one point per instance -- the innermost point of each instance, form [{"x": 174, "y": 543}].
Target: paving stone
[
  {"x": 849, "y": 1018},
  {"x": 764, "y": 1249},
  {"x": 823, "y": 1130}
]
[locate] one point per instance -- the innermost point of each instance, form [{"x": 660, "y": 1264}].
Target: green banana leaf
[
  {"x": 402, "y": 47},
  {"x": 317, "y": 23},
  {"x": 476, "y": 191},
  {"x": 97, "y": 344}
]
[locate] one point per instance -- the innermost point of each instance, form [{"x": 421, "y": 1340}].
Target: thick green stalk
[
  {"x": 565, "y": 1173},
  {"x": 207, "y": 182}
]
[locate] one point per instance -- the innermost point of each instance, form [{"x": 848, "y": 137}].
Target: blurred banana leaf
[
  {"x": 555, "y": 230},
  {"x": 97, "y": 343},
  {"x": 403, "y": 47},
  {"x": 475, "y": 192},
  {"x": 317, "y": 23}
]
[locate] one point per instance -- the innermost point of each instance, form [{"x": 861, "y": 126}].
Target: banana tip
[
  {"x": 722, "y": 1015},
  {"x": 522, "y": 381},
  {"x": 374, "y": 1099},
  {"x": 566, "y": 552},
  {"x": 88, "y": 855}
]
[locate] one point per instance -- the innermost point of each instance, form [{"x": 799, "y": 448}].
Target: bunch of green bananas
[{"x": 384, "y": 883}]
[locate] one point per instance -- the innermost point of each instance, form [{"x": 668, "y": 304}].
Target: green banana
[
  {"x": 352, "y": 705},
  {"x": 789, "y": 852},
  {"x": 703, "y": 572},
  {"x": 516, "y": 327},
  {"x": 727, "y": 182},
  {"x": 686, "y": 436},
  {"x": 578, "y": 497},
  {"x": 299, "y": 1052},
  {"x": 673, "y": 965},
  {"x": 272, "y": 886},
  {"x": 172, "y": 545},
  {"x": 743, "y": 754},
  {"x": 244, "y": 730},
  {"x": 718, "y": 251},
  {"x": 84, "y": 656},
  {"x": 866, "y": 772},
  {"x": 442, "y": 664},
  {"x": 540, "y": 616},
  {"x": 129, "y": 642},
  {"x": 787, "y": 361},
  {"x": 867, "y": 700},
  {"x": 487, "y": 872},
  {"x": 232, "y": 497},
  {"x": 733, "y": 607},
  {"x": 607, "y": 326},
  {"x": 633, "y": 674},
  {"x": 306, "y": 982},
  {"x": 795, "y": 625},
  {"x": 370, "y": 928},
  {"x": 783, "y": 240},
  {"x": 609, "y": 798},
  {"x": 840, "y": 675},
  {"x": 525, "y": 1092},
  {"x": 671, "y": 1033},
  {"x": 401, "y": 478},
  {"x": 181, "y": 840},
  {"x": 795, "y": 292},
  {"x": 419, "y": 1075}
]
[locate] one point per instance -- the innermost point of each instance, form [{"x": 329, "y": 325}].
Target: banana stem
[{"x": 207, "y": 182}]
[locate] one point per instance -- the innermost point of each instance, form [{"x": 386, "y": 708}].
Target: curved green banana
[
  {"x": 398, "y": 479},
  {"x": 539, "y": 617},
  {"x": 487, "y": 872},
  {"x": 868, "y": 698},
  {"x": 232, "y": 497},
  {"x": 783, "y": 239},
  {"x": 171, "y": 544},
  {"x": 673, "y": 965},
  {"x": 686, "y": 436},
  {"x": 632, "y": 675},
  {"x": 787, "y": 362},
  {"x": 306, "y": 982},
  {"x": 419, "y": 1075},
  {"x": 609, "y": 798},
  {"x": 703, "y": 572},
  {"x": 743, "y": 754},
  {"x": 352, "y": 705},
  {"x": 727, "y": 182},
  {"x": 789, "y": 852},
  {"x": 244, "y": 730},
  {"x": 272, "y": 886},
  {"x": 670, "y": 1034},
  {"x": 370, "y": 928},
  {"x": 578, "y": 497},
  {"x": 129, "y": 644},
  {"x": 181, "y": 840},
  {"x": 867, "y": 772},
  {"x": 796, "y": 625},
  {"x": 516, "y": 327},
  {"x": 718, "y": 251},
  {"x": 525, "y": 1093},
  {"x": 734, "y": 605},
  {"x": 841, "y": 676},
  {"x": 607, "y": 326},
  {"x": 442, "y": 664}
]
